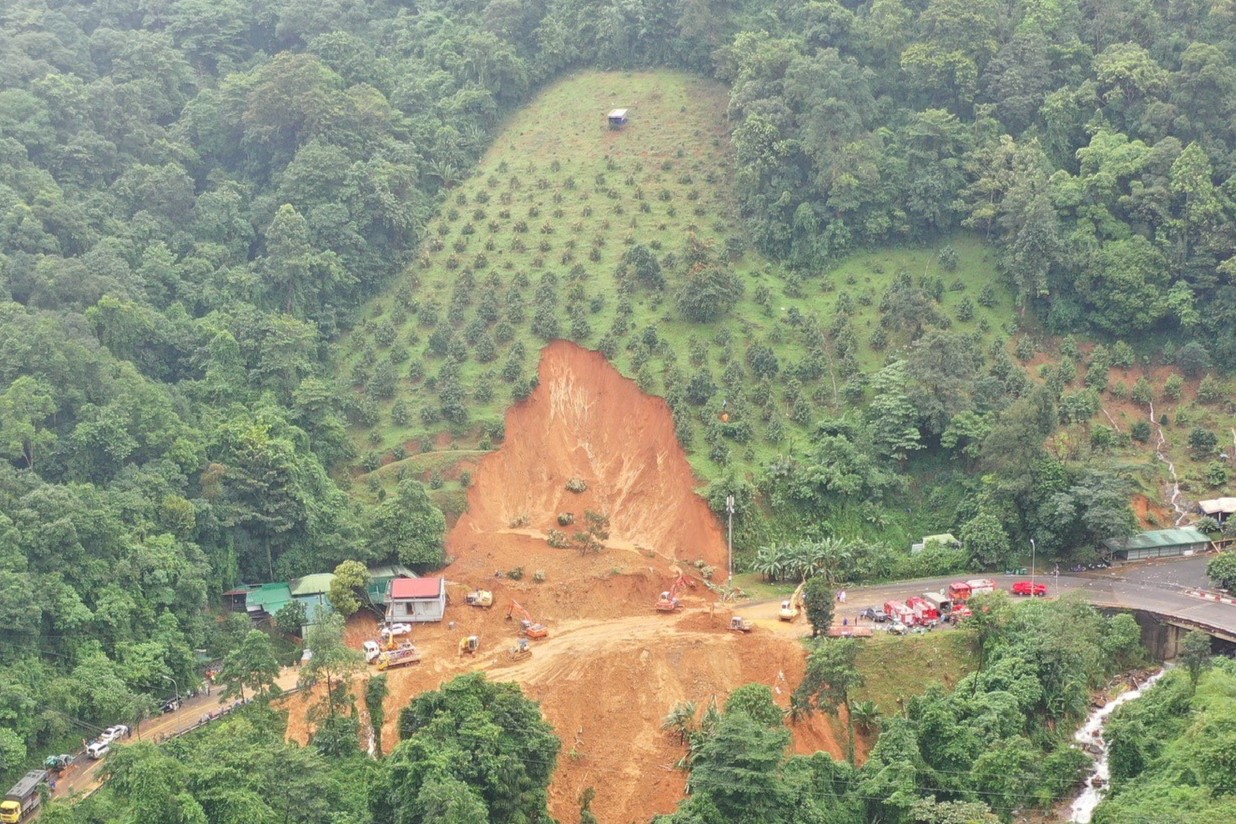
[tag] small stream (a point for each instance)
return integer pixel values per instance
(1160, 446)
(1091, 733)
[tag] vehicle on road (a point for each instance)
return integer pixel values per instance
(171, 705)
(58, 763)
(115, 733)
(21, 802)
(1034, 590)
(391, 630)
(98, 749)
(401, 656)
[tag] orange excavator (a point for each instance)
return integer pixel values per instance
(527, 626)
(668, 602)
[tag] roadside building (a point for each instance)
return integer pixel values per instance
(417, 600)
(266, 600)
(1159, 543)
(313, 591)
(1218, 508)
(380, 577)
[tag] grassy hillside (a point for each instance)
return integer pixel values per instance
(529, 247)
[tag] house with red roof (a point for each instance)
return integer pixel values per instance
(416, 599)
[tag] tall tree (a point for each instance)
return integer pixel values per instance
(253, 664)
(831, 676)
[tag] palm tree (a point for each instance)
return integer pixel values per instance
(681, 720)
(865, 715)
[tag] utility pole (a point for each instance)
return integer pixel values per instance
(1032, 551)
(729, 535)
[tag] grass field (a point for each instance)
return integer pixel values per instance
(528, 248)
(898, 668)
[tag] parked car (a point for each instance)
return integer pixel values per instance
(873, 614)
(171, 705)
(898, 628)
(1035, 590)
(98, 749)
(394, 629)
(114, 733)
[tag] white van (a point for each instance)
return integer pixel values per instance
(98, 749)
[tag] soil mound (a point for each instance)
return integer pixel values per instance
(586, 421)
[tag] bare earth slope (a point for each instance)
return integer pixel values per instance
(612, 666)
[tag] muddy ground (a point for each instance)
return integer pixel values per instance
(612, 666)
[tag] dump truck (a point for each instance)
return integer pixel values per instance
(399, 657)
(20, 802)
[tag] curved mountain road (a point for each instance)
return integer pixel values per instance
(1160, 587)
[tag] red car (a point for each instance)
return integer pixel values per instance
(1026, 588)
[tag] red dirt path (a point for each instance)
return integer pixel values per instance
(612, 667)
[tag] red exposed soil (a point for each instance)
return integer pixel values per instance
(612, 666)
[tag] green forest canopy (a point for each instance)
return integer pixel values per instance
(195, 198)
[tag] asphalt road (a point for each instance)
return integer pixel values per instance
(1156, 586)
(84, 775)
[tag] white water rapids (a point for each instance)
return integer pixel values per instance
(1091, 734)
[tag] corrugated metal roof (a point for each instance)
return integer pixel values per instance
(416, 588)
(390, 571)
(1180, 536)
(269, 597)
(1215, 506)
(312, 584)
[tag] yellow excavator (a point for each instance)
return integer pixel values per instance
(790, 608)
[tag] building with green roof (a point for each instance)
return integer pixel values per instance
(1159, 543)
(267, 599)
(380, 578)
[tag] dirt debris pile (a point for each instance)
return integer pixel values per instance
(612, 667)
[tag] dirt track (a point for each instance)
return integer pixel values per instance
(612, 666)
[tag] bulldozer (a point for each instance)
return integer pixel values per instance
(520, 651)
(668, 602)
(480, 598)
(527, 627)
(469, 645)
(792, 607)
(740, 624)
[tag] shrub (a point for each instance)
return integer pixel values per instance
(539, 576)
(1140, 431)
(558, 539)
(576, 485)
(515, 573)
(566, 518)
